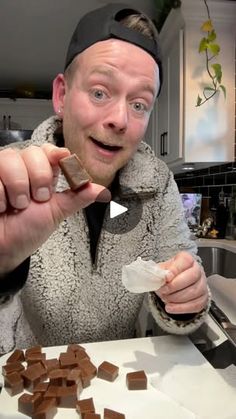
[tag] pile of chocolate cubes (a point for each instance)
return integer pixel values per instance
(48, 384)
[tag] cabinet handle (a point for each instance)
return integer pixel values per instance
(9, 121)
(161, 138)
(4, 119)
(165, 138)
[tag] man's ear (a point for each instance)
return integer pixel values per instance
(58, 95)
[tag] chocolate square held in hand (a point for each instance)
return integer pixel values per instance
(136, 380)
(74, 171)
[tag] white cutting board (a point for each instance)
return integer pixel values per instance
(181, 383)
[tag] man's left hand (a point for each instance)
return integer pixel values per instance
(185, 290)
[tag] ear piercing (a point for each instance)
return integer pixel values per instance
(59, 112)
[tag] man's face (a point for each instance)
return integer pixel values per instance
(107, 104)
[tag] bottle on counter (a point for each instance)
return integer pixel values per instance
(231, 226)
(222, 216)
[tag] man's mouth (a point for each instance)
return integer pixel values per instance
(105, 146)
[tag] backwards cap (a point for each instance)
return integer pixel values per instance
(102, 24)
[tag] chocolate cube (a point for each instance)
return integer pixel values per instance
(46, 410)
(16, 356)
(27, 403)
(74, 172)
(81, 354)
(58, 377)
(51, 364)
(12, 367)
(112, 414)
(107, 371)
(52, 392)
(68, 360)
(41, 388)
(13, 383)
(35, 357)
(85, 406)
(33, 375)
(67, 396)
(136, 380)
(74, 347)
(74, 377)
(33, 350)
(88, 367)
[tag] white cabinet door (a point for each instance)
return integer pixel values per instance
(24, 113)
(186, 133)
(170, 104)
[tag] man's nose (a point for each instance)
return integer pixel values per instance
(117, 118)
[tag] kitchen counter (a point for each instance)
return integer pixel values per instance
(221, 243)
(181, 383)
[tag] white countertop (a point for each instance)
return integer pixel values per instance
(181, 383)
(221, 243)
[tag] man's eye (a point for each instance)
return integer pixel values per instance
(139, 107)
(98, 94)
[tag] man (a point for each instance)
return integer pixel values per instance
(61, 265)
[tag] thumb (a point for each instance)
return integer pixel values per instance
(168, 265)
(64, 204)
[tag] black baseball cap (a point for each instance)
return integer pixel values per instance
(104, 23)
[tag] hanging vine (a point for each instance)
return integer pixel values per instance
(211, 49)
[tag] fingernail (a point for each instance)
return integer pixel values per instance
(22, 201)
(104, 196)
(169, 276)
(42, 194)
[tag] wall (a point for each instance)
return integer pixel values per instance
(209, 182)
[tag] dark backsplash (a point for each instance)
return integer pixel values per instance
(209, 182)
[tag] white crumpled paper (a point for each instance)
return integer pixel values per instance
(143, 276)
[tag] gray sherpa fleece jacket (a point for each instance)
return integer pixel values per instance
(67, 298)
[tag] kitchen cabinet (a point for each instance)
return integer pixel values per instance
(180, 131)
(24, 113)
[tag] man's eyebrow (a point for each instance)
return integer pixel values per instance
(149, 88)
(103, 70)
(110, 73)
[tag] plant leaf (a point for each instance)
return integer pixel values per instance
(217, 71)
(203, 45)
(199, 101)
(209, 88)
(223, 90)
(212, 36)
(214, 48)
(207, 26)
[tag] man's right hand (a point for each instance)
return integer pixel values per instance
(30, 210)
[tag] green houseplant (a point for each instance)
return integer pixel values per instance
(207, 46)
(211, 49)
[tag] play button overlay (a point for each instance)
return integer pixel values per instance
(116, 209)
(125, 212)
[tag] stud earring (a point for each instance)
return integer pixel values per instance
(59, 113)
